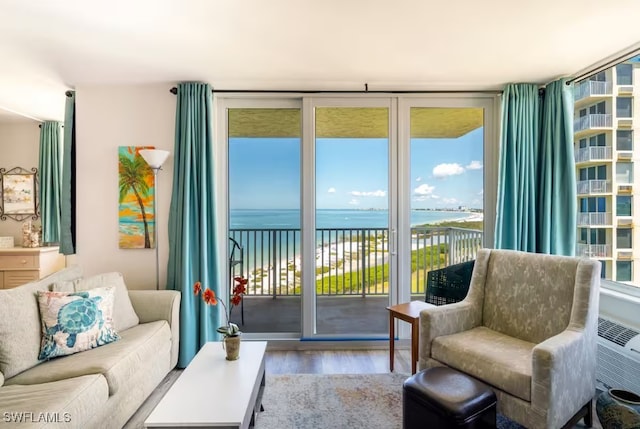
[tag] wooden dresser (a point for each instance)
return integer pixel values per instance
(20, 265)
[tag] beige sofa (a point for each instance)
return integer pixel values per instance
(98, 388)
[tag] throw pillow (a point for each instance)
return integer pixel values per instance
(75, 322)
(124, 316)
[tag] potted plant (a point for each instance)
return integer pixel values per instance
(230, 331)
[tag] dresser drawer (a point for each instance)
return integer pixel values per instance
(18, 262)
(18, 278)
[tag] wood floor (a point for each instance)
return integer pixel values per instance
(306, 362)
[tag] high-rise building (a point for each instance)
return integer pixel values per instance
(608, 198)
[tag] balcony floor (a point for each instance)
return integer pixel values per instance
(337, 315)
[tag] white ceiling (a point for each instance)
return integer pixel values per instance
(47, 47)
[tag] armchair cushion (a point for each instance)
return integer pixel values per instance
(495, 358)
(522, 294)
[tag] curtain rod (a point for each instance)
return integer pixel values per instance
(608, 64)
(174, 91)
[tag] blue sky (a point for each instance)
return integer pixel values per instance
(353, 173)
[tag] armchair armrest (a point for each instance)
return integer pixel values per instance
(564, 372)
(444, 320)
(153, 305)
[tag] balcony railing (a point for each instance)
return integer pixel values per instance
(596, 120)
(349, 261)
(594, 153)
(592, 88)
(594, 250)
(586, 187)
(590, 219)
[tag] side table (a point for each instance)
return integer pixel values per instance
(409, 312)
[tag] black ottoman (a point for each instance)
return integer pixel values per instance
(442, 397)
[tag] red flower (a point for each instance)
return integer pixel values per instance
(235, 299)
(209, 297)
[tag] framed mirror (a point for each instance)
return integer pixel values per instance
(19, 194)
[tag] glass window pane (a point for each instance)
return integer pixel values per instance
(624, 74)
(623, 205)
(623, 107)
(623, 271)
(624, 172)
(602, 172)
(623, 238)
(624, 140)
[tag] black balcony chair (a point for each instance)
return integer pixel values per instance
(449, 284)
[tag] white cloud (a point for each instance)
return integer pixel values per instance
(444, 170)
(331, 190)
(450, 201)
(377, 193)
(354, 202)
(424, 189)
(481, 192)
(419, 179)
(474, 165)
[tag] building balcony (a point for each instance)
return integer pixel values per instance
(594, 250)
(588, 187)
(351, 274)
(590, 90)
(594, 153)
(594, 219)
(596, 121)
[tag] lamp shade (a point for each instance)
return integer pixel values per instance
(154, 157)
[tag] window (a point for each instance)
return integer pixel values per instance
(623, 107)
(624, 74)
(598, 109)
(624, 139)
(593, 205)
(593, 236)
(598, 140)
(623, 205)
(623, 271)
(594, 173)
(623, 238)
(624, 172)
(603, 269)
(599, 77)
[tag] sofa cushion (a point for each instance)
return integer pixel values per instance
(124, 316)
(20, 322)
(69, 403)
(75, 322)
(117, 361)
(497, 359)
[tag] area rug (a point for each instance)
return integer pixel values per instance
(353, 401)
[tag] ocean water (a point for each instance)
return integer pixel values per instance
(281, 219)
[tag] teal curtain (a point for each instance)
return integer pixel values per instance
(68, 190)
(536, 181)
(49, 168)
(558, 203)
(192, 224)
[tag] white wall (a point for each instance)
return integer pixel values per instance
(19, 147)
(108, 117)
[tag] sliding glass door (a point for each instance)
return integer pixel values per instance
(352, 218)
(343, 206)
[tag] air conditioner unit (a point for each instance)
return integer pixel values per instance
(618, 356)
(625, 188)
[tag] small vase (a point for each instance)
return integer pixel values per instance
(232, 347)
(618, 408)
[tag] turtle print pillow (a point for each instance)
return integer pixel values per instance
(73, 322)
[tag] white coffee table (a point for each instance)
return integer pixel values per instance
(214, 392)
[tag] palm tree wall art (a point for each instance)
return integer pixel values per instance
(136, 216)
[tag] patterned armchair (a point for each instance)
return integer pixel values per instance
(528, 328)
